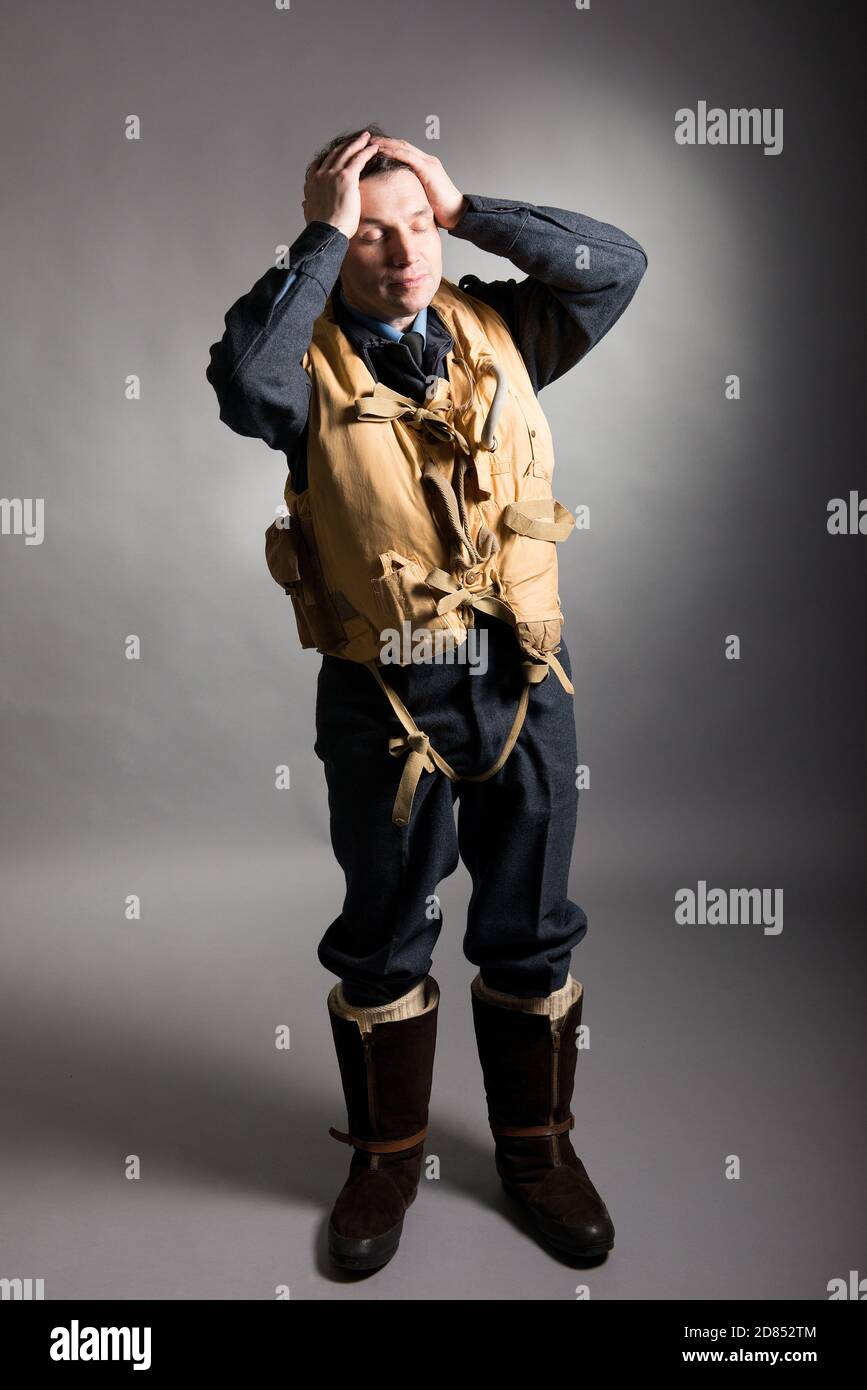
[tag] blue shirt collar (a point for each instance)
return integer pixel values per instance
(387, 330)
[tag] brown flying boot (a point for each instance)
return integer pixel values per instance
(528, 1064)
(385, 1054)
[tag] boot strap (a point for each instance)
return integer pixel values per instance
(532, 1131)
(379, 1146)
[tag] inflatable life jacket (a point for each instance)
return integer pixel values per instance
(423, 512)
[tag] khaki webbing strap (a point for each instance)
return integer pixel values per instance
(532, 1131)
(454, 595)
(561, 674)
(423, 757)
(435, 418)
(532, 518)
(379, 1146)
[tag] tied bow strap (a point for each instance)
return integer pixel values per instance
(454, 595)
(423, 757)
(420, 758)
(434, 418)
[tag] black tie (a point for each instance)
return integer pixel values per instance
(415, 343)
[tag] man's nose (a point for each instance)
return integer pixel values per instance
(403, 249)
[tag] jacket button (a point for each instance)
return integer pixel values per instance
(471, 576)
(533, 433)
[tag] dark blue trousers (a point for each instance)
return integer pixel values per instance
(514, 832)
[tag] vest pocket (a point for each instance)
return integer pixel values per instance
(401, 592)
(292, 559)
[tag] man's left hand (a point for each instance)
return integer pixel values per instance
(447, 202)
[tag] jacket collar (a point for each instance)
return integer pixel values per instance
(387, 330)
(369, 342)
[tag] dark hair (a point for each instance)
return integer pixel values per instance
(379, 164)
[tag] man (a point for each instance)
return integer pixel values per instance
(420, 488)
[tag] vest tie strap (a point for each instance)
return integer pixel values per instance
(454, 595)
(420, 758)
(532, 517)
(564, 680)
(384, 403)
(423, 757)
(435, 418)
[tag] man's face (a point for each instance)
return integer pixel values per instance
(393, 264)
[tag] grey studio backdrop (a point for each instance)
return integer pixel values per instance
(156, 1037)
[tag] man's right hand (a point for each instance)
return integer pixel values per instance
(331, 192)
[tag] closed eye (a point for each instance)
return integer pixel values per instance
(417, 227)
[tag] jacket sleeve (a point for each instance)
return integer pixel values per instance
(565, 306)
(256, 368)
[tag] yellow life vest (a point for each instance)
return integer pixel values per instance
(424, 511)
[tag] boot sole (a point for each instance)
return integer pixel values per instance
(553, 1233)
(372, 1252)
